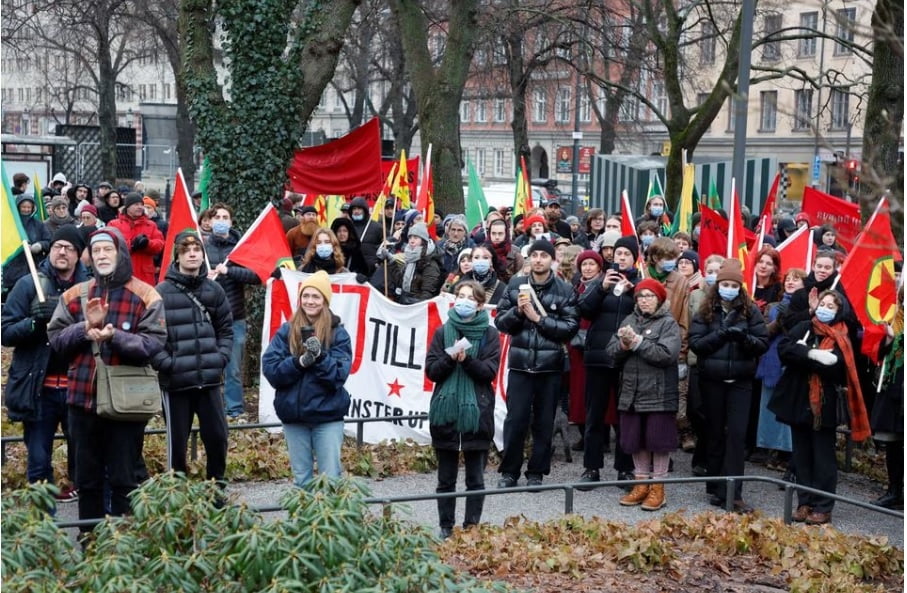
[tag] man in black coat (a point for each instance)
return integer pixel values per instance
(539, 311)
(191, 365)
(36, 389)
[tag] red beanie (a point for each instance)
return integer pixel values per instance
(527, 222)
(653, 285)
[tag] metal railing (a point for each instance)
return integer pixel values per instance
(570, 489)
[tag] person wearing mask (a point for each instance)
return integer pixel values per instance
(38, 238)
(646, 346)
(233, 279)
(455, 240)
(656, 213)
(461, 411)
(728, 335)
(110, 209)
(323, 253)
(819, 360)
(307, 362)
(368, 232)
(605, 305)
(483, 272)
(352, 248)
(647, 232)
(508, 261)
(191, 365)
(35, 391)
(124, 318)
(824, 276)
(539, 312)
(144, 239)
(414, 275)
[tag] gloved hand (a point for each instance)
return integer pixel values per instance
(306, 360)
(382, 253)
(313, 346)
(736, 334)
(139, 242)
(361, 278)
(825, 357)
(36, 248)
(682, 371)
(43, 311)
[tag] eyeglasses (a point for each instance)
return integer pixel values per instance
(648, 295)
(64, 248)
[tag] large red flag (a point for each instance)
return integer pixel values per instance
(348, 165)
(867, 277)
(823, 208)
(765, 219)
(627, 222)
(264, 246)
(712, 235)
(796, 251)
(182, 218)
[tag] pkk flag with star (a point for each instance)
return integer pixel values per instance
(867, 277)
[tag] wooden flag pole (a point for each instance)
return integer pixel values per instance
(34, 271)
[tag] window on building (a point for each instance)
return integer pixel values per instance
(771, 51)
(500, 166)
(707, 44)
(481, 115)
(562, 112)
(661, 98)
(768, 113)
(464, 111)
(480, 161)
(539, 106)
(39, 94)
(152, 91)
(166, 91)
(481, 57)
(143, 92)
(809, 22)
(731, 113)
(28, 95)
(585, 108)
(629, 110)
(803, 109)
(840, 109)
(499, 112)
(846, 18)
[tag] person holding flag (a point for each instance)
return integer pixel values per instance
(37, 236)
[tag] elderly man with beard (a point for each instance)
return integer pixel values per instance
(124, 318)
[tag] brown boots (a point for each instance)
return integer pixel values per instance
(650, 496)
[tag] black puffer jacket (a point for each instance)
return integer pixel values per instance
(606, 312)
(199, 345)
(218, 248)
(369, 233)
(482, 370)
(718, 356)
(539, 347)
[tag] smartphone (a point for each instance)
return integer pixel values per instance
(306, 332)
(615, 267)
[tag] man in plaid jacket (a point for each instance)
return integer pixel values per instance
(125, 317)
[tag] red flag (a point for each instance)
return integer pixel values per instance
(627, 222)
(348, 165)
(264, 246)
(712, 235)
(796, 251)
(765, 219)
(425, 201)
(867, 277)
(182, 218)
(412, 173)
(736, 239)
(844, 216)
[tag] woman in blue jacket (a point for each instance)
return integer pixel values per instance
(307, 362)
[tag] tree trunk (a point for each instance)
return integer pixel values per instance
(107, 109)
(885, 115)
(518, 81)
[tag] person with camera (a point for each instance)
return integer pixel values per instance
(143, 239)
(307, 363)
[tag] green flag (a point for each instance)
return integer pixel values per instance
(12, 233)
(476, 206)
(203, 183)
(714, 198)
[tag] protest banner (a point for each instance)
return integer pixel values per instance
(390, 341)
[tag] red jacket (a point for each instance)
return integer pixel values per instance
(142, 259)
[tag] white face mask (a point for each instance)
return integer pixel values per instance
(465, 308)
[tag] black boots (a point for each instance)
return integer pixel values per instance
(893, 499)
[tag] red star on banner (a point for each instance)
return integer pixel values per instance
(885, 291)
(395, 388)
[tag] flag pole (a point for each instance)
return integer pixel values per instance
(384, 240)
(26, 248)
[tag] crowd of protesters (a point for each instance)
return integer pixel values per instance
(632, 336)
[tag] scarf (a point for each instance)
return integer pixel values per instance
(410, 258)
(654, 273)
(836, 335)
(456, 400)
(501, 251)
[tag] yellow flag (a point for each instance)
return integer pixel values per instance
(11, 231)
(401, 184)
(378, 208)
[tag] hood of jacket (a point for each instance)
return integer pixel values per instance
(123, 272)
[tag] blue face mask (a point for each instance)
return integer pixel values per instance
(465, 308)
(728, 294)
(647, 240)
(324, 251)
(481, 266)
(220, 227)
(825, 315)
(668, 265)
(710, 279)
(358, 217)
(657, 210)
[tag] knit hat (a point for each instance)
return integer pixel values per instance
(58, 178)
(57, 201)
(572, 220)
(184, 239)
(420, 230)
(25, 198)
(102, 235)
(730, 270)
(528, 222)
(465, 253)
(562, 241)
(542, 245)
(69, 232)
(306, 209)
(589, 254)
(410, 216)
(628, 242)
(653, 285)
(608, 239)
(154, 195)
(692, 256)
(321, 282)
(459, 220)
(149, 202)
(105, 184)
(90, 208)
(132, 197)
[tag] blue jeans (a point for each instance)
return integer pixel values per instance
(308, 442)
(233, 396)
(39, 435)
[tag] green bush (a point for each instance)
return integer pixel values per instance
(180, 539)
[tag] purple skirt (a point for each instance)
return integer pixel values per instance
(648, 431)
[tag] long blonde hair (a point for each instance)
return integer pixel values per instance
(322, 326)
